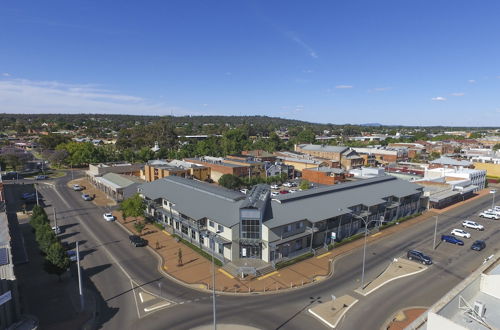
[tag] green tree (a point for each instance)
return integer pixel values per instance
(38, 210)
(306, 136)
(51, 141)
(496, 146)
(139, 226)
(45, 237)
(56, 260)
(304, 185)
(133, 206)
(230, 181)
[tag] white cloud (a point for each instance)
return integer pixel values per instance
(27, 96)
(343, 86)
(457, 94)
(6, 74)
(380, 89)
(302, 44)
(439, 98)
(471, 81)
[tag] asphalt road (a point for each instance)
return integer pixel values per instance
(116, 270)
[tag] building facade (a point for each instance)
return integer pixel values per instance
(274, 229)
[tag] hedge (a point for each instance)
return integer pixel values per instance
(282, 264)
(198, 250)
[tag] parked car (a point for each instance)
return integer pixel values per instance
(288, 184)
(57, 230)
(478, 245)
(489, 215)
(283, 192)
(292, 191)
(41, 177)
(244, 191)
(11, 176)
(419, 256)
(275, 193)
(28, 195)
(72, 255)
(497, 212)
(275, 186)
(460, 233)
(108, 217)
(86, 197)
(137, 241)
(451, 239)
(77, 187)
(472, 225)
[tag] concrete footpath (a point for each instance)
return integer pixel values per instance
(196, 271)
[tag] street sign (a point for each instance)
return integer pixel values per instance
(333, 235)
(5, 297)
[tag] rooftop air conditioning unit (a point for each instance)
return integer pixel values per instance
(479, 308)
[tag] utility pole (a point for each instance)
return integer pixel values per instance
(72, 175)
(364, 254)
(36, 192)
(55, 218)
(435, 233)
(80, 291)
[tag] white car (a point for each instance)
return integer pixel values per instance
(489, 215)
(275, 186)
(275, 193)
(472, 225)
(497, 212)
(292, 191)
(288, 184)
(108, 217)
(460, 233)
(57, 230)
(244, 191)
(77, 187)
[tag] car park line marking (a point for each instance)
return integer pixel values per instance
(323, 255)
(268, 275)
(166, 232)
(377, 234)
(226, 273)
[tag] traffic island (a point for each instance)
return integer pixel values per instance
(398, 268)
(331, 312)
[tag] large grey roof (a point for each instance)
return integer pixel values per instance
(451, 161)
(320, 147)
(197, 199)
(331, 201)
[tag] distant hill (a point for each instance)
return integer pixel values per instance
(372, 125)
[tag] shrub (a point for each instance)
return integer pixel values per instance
(290, 262)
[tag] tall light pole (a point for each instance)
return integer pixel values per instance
(366, 222)
(493, 191)
(36, 192)
(213, 281)
(80, 291)
(435, 233)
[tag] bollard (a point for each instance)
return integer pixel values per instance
(302, 282)
(249, 289)
(276, 287)
(290, 285)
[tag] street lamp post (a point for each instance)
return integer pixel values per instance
(214, 309)
(493, 191)
(435, 233)
(366, 222)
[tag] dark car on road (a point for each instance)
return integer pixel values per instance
(419, 256)
(478, 245)
(137, 241)
(41, 177)
(451, 239)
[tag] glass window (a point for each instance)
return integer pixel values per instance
(298, 225)
(193, 234)
(211, 223)
(220, 228)
(184, 229)
(202, 240)
(221, 249)
(250, 229)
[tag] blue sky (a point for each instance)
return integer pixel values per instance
(427, 62)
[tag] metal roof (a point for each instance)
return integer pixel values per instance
(319, 147)
(451, 161)
(197, 199)
(117, 181)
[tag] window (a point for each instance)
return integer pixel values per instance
(221, 249)
(286, 229)
(298, 225)
(193, 234)
(184, 230)
(211, 223)
(220, 228)
(202, 240)
(177, 225)
(250, 229)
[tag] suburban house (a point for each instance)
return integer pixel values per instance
(261, 230)
(157, 169)
(347, 157)
(384, 155)
(237, 167)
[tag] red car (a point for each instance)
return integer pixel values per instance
(283, 191)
